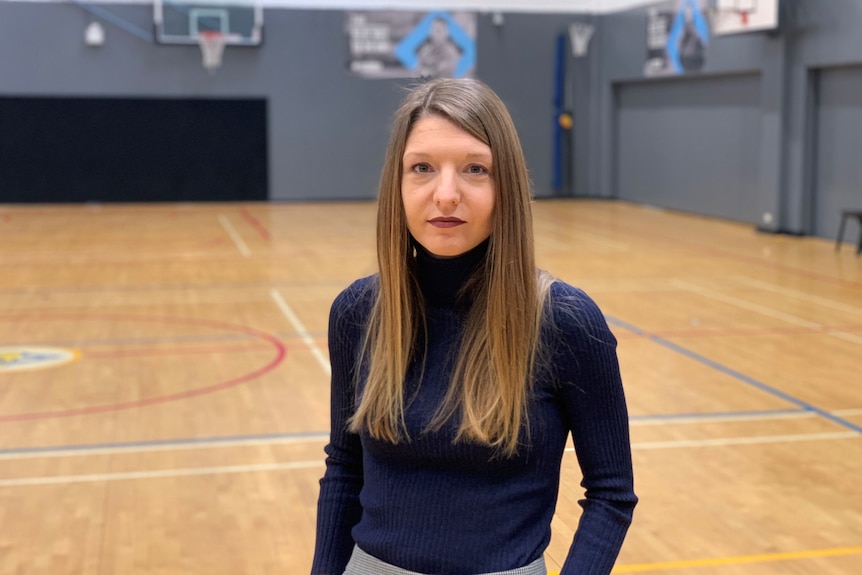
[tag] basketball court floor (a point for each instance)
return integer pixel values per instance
(164, 385)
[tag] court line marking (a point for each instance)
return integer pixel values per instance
(256, 224)
(775, 392)
(174, 287)
(767, 311)
(234, 235)
(161, 473)
(280, 349)
(131, 341)
(757, 308)
(738, 560)
(688, 418)
(826, 302)
(724, 441)
(699, 248)
(319, 437)
(300, 329)
(161, 445)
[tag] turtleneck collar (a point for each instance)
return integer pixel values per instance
(441, 279)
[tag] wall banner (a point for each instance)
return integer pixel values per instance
(396, 44)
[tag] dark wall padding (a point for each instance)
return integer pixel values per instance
(132, 149)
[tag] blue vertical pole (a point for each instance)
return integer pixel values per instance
(559, 104)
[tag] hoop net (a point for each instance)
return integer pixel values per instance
(724, 11)
(212, 45)
(580, 34)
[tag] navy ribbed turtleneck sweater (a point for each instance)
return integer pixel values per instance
(431, 506)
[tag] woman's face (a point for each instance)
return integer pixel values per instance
(447, 187)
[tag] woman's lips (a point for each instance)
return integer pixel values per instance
(446, 222)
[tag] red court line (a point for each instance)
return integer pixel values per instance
(182, 351)
(255, 223)
(212, 257)
(116, 353)
(281, 352)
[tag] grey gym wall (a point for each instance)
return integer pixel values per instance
(692, 143)
(806, 153)
(837, 162)
(327, 130)
(825, 105)
(517, 60)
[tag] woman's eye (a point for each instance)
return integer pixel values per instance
(477, 169)
(421, 168)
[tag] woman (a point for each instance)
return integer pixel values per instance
(459, 370)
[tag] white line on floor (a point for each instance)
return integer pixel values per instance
(707, 418)
(64, 479)
(722, 441)
(826, 302)
(768, 312)
(234, 235)
(216, 443)
(300, 329)
(167, 446)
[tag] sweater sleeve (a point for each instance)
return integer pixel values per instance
(338, 507)
(595, 405)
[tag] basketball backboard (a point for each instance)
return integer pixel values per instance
(739, 16)
(181, 22)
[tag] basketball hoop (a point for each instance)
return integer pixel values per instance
(580, 34)
(732, 16)
(212, 43)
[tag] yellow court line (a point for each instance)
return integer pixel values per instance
(764, 558)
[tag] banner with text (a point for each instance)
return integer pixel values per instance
(395, 44)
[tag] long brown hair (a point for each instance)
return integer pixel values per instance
(491, 382)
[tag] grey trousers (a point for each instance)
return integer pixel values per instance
(361, 563)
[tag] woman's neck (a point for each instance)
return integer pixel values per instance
(443, 279)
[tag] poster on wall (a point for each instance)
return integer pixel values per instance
(397, 44)
(677, 36)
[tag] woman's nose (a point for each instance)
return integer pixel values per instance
(446, 190)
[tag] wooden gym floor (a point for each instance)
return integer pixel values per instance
(175, 424)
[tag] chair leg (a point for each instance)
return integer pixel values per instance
(840, 232)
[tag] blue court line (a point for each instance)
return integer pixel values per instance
(166, 443)
(736, 375)
(805, 407)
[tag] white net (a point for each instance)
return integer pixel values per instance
(580, 34)
(728, 16)
(212, 47)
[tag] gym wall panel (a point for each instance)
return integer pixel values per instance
(326, 130)
(690, 144)
(838, 176)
